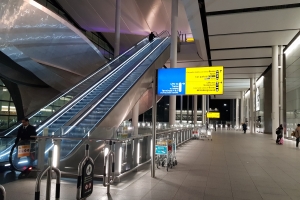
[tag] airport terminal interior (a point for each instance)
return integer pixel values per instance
(156, 99)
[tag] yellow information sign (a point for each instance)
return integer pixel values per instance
(204, 80)
(215, 115)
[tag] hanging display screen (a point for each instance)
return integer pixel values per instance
(190, 81)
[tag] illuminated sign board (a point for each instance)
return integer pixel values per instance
(213, 115)
(190, 81)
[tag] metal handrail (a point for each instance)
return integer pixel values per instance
(107, 140)
(3, 193)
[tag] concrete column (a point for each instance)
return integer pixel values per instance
(275, 93)
(117, 28)
(242, 120)
(195, 108)
(251, 106)
(135, 117)
(254, 105)
(247, 109)
(173, 57)
(237, 116)
(203, 110)
(281, 84)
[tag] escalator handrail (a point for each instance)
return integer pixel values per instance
(92, 107)
(7, 132)
(120, 81)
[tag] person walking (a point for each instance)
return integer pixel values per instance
(279, 132)
(244, 127)
(297, 134)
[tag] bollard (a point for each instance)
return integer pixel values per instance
(110, 176)
(3, 193)
(48, 170)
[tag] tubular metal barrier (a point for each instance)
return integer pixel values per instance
(109, 160)
(3, 193)
(48, 170)
(85, 176)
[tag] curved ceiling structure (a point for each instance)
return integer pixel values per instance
(237, 34)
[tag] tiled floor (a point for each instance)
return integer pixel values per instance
(232, 166)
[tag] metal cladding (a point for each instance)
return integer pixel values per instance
(45, 44)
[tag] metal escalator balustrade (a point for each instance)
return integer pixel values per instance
(74, 94)
(98, 111)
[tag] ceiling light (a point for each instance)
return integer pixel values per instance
(293, 46)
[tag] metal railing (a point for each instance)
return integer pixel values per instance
(48, 170)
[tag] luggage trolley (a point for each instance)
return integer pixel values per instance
(206, 134)
(195, 133)
(165, 150)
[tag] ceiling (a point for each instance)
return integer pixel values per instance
(240, 33)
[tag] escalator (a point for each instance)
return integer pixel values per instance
(91, 107)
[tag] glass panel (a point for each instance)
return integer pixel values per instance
(4, 108)
(4, 94)
(3, 122)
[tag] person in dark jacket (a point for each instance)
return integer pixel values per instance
(244, 127)
(25, 131)
(151, 37)
(279, 132)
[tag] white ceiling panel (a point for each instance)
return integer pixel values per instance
(246, 70)
(242, 75)
(285, 19)
(242, 53)
(244, 62)
(252, 40)
(218, 5)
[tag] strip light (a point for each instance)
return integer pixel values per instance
(293, 46)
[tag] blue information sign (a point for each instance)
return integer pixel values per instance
(171, 83)
(161, 150)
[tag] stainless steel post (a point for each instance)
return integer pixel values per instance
(153, 127)
(41, 154)
(49, 176)
(3, 193)
(181, 99)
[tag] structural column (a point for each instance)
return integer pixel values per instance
(237, 109)
(251, 106)
(203, 110)
(242, 120)
(281, 84)
(195, 109)
(275, 94)
(135, 118)
(207, 107)
(173, 57)
(117, 28)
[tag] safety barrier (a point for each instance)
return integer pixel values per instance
(48, 170)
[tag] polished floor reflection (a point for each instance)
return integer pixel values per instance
(231, 166)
